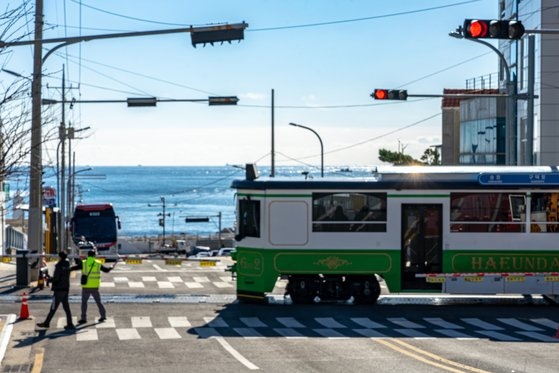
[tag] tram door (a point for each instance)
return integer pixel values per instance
(421, 244)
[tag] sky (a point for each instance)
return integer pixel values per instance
(322, 59)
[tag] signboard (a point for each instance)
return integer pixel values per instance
(518, 179)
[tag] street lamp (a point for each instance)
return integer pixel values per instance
(321, 146)
(510, 148)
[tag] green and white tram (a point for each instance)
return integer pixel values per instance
(456, 230)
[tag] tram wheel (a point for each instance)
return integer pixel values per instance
(302, 290)
(366, 290)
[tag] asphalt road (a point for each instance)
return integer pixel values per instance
(182, 328)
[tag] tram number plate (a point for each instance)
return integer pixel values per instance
(551, 278)
(515, 279)
(473, 279)
(435, 280)
(6, 259)
(134, 261)
(176, 262)
(207, 263)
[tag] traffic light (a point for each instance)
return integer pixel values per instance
(493, 29)
(390, 94)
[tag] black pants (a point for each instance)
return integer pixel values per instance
(60, 296)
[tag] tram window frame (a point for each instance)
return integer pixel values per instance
(543, 212)
(249, 218)
(479, 216)
(370, 219)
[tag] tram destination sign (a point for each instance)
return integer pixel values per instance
(534, 178)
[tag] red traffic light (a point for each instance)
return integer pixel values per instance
(492, 29)
(478, 29)
(390, 94)
(380, 94)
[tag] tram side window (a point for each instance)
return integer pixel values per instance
(345, 212)
(487, 212)
(249, 218)
(543, 212)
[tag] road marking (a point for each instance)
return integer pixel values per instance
(249, 333)
(289, 333)
(179, 322)
(253, 322)
(442, 323)
(107, 324)
(329, 322)
(167, 333)
(149, 279)
(430, 358)
(216, 322)
(165, 285)
(240, 358)
(405, 323)
(87, 335)
(330, 333)
(482, 324)
(194, 285)
(520, 325)
(290, 322)
(498, 336)
(367, 323)
(38, 361)
(127, 334)
(134, 284)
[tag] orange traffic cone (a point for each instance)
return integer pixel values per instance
(24, 312)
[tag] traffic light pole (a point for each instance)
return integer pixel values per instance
(199, 35)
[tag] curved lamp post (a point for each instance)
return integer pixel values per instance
(321, 146)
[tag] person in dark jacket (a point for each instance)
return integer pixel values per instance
(61, 287)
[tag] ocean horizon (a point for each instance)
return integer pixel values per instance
(137, 194)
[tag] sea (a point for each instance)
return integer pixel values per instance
(142, 195)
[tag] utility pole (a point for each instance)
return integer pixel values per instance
(35, 223)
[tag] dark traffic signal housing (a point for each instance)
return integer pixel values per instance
(390, 94)
(493, 29)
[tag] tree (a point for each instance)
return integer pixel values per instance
(15, 103)
(397, 158)
(431, 156)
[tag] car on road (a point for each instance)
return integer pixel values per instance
(226, 251)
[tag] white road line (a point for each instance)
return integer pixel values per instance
(87, 335)
(405, 323)
(481, 324)
(240, 358)
(540, 337)
(136, 284)
(193, 285)
(496, 335)
(179, 322)
(546, 322)
(216, 322)
(414, 333)
(127, 334)
(442, 323)
(289, 333)
(329, 322)
(290, 322)
(159, 268)
(367, 323)
(109, 323)
(167, 333)
(519, 324)
(370, 333)
(165, 285)
(253, 322)
(249, 333)
(455, 334)
(330, 333)
(149, 279)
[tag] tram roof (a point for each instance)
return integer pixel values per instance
(417, 177)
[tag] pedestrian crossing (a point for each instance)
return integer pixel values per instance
(165, 282)
(179, 327)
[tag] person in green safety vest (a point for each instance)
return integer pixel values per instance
(92, 268)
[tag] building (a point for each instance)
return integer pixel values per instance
(475, 130)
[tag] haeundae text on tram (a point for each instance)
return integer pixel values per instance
(456, 230)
